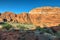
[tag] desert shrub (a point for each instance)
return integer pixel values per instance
(6, 26)
(21, 27)
(48, 30)
(57, 34)
(25, 26)
(38, 28)
(44, 30)
(58, 24)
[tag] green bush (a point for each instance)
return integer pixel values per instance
(6, 26)
(39, 28)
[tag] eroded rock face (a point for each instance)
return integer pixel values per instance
(23, 18)
(11, 17)
(43, 16)
(8, 16)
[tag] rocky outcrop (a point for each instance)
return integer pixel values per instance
(43, 16)
(8, 16)
(11, 17)
(23, 18)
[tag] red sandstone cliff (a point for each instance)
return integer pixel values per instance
(49, 16)
(43, 16)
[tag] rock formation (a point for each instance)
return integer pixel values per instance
(43, 16)
(23, 18)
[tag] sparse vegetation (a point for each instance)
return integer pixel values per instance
(6, 26)
(58, 24)
(25, 27)
(57, 34)
(21, 27)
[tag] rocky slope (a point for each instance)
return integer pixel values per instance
(43, 16)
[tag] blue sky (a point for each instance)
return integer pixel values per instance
(18, 6)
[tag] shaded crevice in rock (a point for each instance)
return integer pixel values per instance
(5, 20)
